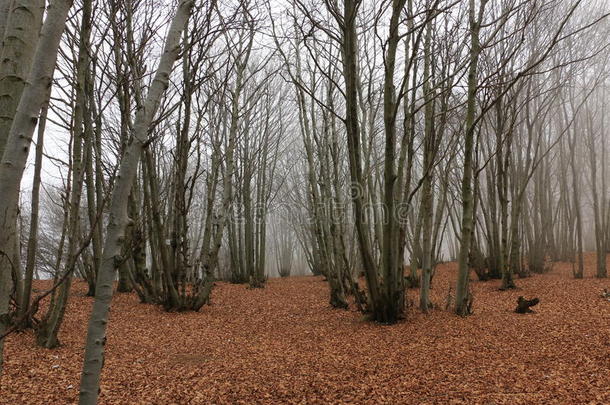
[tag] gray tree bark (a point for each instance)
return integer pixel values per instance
(20, 35)
(118, 219)
(462, 298)
(19, 140)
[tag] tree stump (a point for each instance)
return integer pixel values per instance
(523, 305)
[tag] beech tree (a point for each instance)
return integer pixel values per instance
(118, 221)
(18, 143)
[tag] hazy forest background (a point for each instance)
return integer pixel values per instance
(326, 201)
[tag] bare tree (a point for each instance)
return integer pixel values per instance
(118, 219)
(18, 143)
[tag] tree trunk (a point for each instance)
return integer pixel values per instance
(20, 36)
(24, 305)
(19, 140)
(48, 330)
(463, 299)
(118, 220)
(427, 197)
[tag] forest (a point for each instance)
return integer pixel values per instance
(304, 201)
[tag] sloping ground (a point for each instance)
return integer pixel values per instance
(284, 344)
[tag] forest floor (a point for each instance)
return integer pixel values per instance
(284, 344)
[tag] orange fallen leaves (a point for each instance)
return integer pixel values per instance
(284, 344)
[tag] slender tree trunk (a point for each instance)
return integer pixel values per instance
(462, 304)
(94, 180)
(350, 72)
(427, 197)
(24, 305)
(598, 211)
(118, 220)
(578, 259)
(48, 331)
